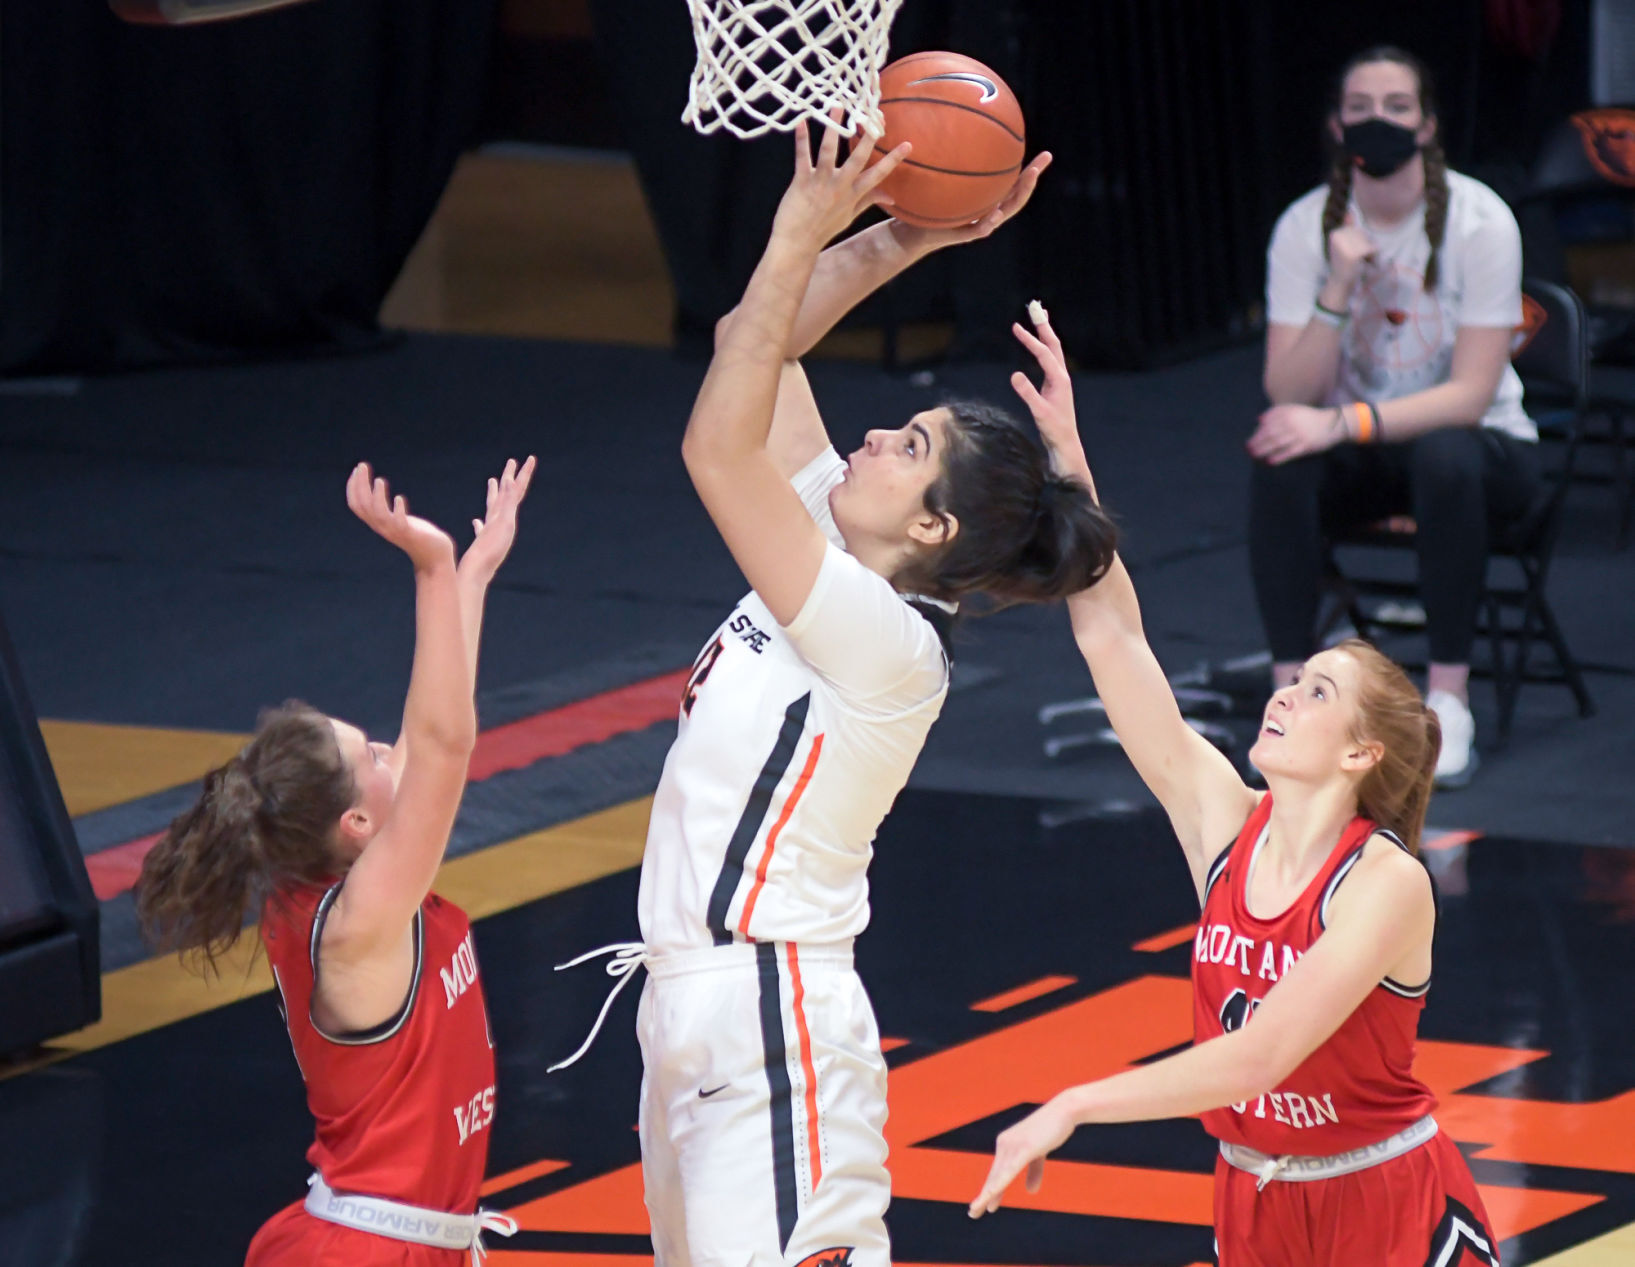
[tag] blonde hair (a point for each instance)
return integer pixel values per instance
(1396, 790)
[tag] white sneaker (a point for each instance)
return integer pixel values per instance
(1458, 760)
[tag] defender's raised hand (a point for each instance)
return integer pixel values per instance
(1051, 403)
(427, 545)
(498, 527)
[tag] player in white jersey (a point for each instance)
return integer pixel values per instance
(763, 1100)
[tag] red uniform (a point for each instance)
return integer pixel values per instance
(1355, 1091)
(402, 1110)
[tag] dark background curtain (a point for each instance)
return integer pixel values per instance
(243, 188)
(252, 188)
(1181, 128)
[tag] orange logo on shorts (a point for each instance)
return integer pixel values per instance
(1609, 142)
(839, 1256)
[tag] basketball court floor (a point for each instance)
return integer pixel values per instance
(174, 554)
(1008, 958)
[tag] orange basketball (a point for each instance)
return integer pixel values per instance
(967, 132)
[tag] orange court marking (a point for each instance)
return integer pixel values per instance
(1027, 1062)
(1163, 941)
(513, 1178)
(1022, 993)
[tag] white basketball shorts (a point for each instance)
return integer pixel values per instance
(763, 1109)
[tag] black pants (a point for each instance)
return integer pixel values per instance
(1459, 484)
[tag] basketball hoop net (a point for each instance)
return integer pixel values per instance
(765, 64)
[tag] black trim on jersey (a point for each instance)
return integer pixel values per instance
(1386, 983)
(1216, 869)
(1340, 873)
(941, 621)
(1460, 1228)
(749, 822)
(783, 1100)
(390, 1026)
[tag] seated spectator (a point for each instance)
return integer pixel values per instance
(1391, 295)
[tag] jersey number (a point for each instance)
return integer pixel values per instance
(1238, 1008)
(701, 671)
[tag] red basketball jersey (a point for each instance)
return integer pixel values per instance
(402, 1110)
(1358, 1087)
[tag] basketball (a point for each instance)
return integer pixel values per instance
(968, 136)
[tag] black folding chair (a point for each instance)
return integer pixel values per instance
(1575, 171)
(1515, 615)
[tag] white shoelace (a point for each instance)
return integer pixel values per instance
(627, 957)
(489, 1221)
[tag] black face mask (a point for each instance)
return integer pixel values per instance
(1378, 147)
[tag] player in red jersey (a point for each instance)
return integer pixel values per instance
(1313, 952)
(335, 840)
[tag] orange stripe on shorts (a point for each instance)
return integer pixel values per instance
(807, 1069)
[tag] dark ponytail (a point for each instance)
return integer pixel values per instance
(264, 820)
(1436, 163)
(1025, 534)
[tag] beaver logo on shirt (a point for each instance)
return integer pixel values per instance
(1609, 142)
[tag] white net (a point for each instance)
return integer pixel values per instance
(765, 64)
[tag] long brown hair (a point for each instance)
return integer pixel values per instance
(1436, 162)
(1396, 790)
(265, 820)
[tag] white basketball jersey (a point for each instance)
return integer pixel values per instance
(793, 744)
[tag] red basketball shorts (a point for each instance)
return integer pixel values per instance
(1417, 1210)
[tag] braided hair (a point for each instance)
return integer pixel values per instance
(1436, 163)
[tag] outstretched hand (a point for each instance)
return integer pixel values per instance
(826, 195)
(498, 528)
(424, 542)
(1051, 404)
(928, 240)
(1024, 1145)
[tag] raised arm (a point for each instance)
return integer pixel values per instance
(1200, 791)
(1381, 918)
(393, 874)
(847, 273)
(495, 532)
(494, 535)
(726, 448)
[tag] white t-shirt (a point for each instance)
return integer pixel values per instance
(1400, 339)
(793, 744)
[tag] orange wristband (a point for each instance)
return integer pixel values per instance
(1365, 422)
